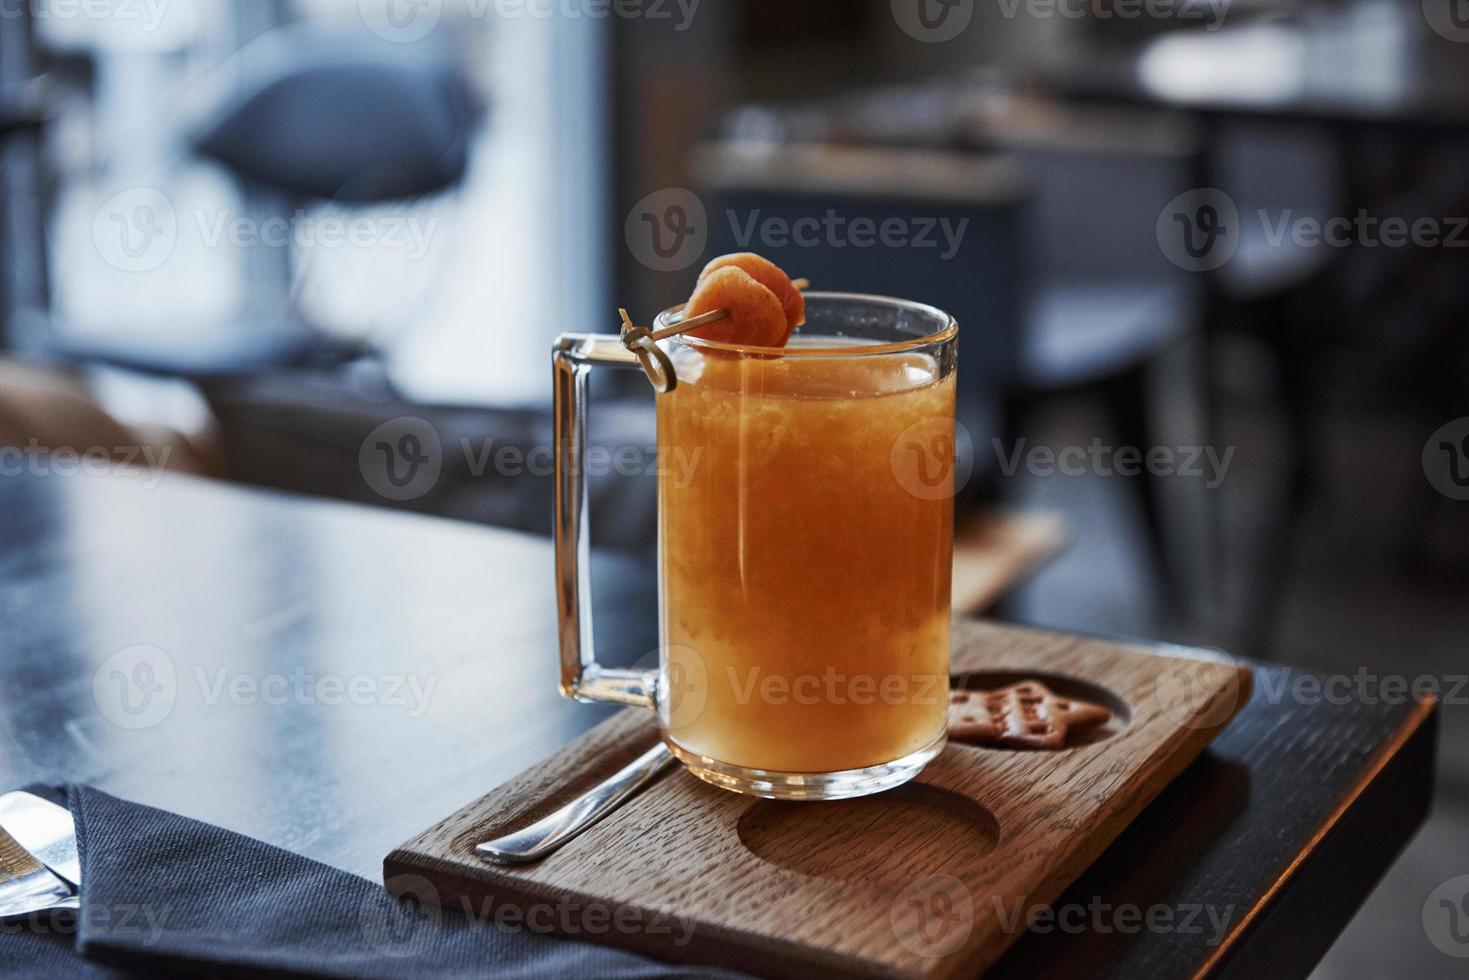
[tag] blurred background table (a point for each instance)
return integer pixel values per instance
(1280, 829)
(1395, 65)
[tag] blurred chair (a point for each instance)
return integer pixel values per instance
(1280, 294)
(1274, 289)
(1102, 303)
(315, 117)
(365, 124)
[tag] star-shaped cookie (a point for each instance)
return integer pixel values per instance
(1026, 715)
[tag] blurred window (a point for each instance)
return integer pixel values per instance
(466, 293)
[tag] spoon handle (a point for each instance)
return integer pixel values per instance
(550, 832)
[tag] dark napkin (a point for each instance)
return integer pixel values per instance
(163, 894)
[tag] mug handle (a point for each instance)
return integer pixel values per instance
(582, 678)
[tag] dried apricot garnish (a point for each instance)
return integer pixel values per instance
(755, 319)
(767, 274)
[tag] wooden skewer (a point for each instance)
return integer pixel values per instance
(692, 323)
(656, 363)
(704, 319)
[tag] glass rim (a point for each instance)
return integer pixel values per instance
(946, 333)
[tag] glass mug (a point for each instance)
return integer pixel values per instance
(804, 548)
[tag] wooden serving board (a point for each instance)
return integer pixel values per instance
(935, 878)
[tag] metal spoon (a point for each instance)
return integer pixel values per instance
(26, 886)
(44, 829)
(550, 832)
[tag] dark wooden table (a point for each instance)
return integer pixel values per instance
(275, 695)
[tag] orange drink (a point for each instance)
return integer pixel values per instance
(800, 568)
(805, 498)
(806, 551)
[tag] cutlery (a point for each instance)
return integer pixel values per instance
(26, 886)
(550, 832)
(45, 830)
